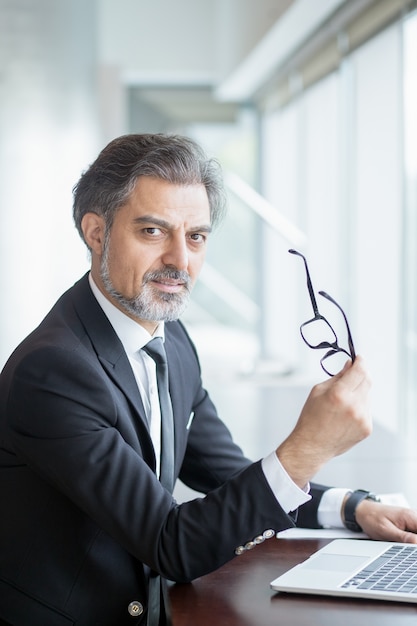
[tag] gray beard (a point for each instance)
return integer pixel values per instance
(151, 305)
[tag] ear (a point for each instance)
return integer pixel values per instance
(93, 227)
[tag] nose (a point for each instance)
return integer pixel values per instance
(176, 253)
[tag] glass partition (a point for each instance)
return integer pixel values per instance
(410, 221)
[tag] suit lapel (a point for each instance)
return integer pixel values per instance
(114, 361)
(108, 346)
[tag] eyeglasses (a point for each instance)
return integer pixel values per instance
(319, 334)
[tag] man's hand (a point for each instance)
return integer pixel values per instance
(387, 523)
(335, 417)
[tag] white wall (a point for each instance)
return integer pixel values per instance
(48, 135)
(159, 41)
(186, 41)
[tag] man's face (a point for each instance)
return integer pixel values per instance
(153, 253)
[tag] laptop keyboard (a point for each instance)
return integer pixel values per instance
(393, 571)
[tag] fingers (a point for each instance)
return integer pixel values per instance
(407, 537)
(354, 375)
(387, 523)
(391, 532)
(335, 417)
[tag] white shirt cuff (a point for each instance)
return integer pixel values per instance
(288, 494)
(329, 514)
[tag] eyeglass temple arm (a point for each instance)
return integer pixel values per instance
(349, 334)
(309, 283)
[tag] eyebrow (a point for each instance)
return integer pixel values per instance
(151, 219)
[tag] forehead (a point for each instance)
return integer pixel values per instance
(171, 201)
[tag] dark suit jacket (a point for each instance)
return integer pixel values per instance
(82, 510)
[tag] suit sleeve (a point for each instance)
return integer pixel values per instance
(212, 457)
(75, 431)
(307, 514)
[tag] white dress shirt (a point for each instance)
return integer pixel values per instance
(133, 337)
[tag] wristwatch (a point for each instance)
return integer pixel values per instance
(350, 508)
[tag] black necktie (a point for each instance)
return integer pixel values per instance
(155, 349)
(158, 593)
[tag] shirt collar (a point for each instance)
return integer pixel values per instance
(132, 335)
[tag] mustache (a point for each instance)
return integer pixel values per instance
(168, 273)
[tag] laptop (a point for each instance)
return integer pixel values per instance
(356, 568)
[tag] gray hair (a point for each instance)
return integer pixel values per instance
(107, 184)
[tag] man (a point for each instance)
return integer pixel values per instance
(86, 526)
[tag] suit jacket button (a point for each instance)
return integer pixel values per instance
(135, 608)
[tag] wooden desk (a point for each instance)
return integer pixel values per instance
(238, 594)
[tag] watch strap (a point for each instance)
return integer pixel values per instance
(349, 511)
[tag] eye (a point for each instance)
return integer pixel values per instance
(152, 231)
(198, 237)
